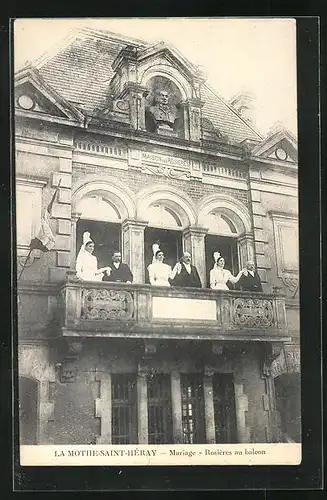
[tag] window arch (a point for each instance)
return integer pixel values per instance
(219, 223)
(97, 207)
(162, 216)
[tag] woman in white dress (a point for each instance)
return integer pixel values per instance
(86, 263)
(219, 276)
(160, 273)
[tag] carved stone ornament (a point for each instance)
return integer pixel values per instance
(150, 349)
(292, 358)
(253, 312)
(107, 305)
(171, 173)
(272, 353)
(287, 362)
(291, 282)
(68, 371)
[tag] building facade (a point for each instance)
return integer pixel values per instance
(138, 149)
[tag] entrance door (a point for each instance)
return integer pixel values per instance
(224, 408)
(227, 248)
(106, 237)
(28, 403)
(170, 243)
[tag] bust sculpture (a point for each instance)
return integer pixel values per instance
(163, 113)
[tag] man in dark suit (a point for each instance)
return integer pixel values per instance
(250, 281)
(118, 271)
(186, 274)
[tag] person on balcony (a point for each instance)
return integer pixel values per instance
(160, 274)
(186, 274)
(86, 263)
(250, 280)
(118, 272)
(220, 276)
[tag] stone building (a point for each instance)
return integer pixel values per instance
(138, 149)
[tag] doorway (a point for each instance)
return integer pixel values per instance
(106, 237)
(228, 249)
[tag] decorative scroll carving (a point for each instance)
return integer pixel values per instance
(107, 304)
(291, 282)
(292, 358)
(287, 362)
(278, 366)
(67, 370)
(166, 172)
(253, 312)
(271, 353)
(122, 105)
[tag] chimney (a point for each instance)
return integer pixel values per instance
(275, 128)
(243, 103)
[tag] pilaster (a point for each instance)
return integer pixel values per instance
(209, 407)
(193, 107)
(142, 406)
(133, 248)
(135, 94)
(194, 242)
(73, 249)
(176, 395)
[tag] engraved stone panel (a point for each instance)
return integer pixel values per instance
(252, 312)
(107, 305)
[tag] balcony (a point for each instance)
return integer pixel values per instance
(91, 309)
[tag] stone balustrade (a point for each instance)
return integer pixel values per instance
(92, 309)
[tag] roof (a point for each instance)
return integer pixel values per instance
(81, 70)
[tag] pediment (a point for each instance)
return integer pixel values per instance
(281, 146)
(164, 54)
(33, 95)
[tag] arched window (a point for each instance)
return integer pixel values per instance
(162, 216)
(96, 207)
(218, 223)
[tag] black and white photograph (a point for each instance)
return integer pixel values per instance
(156, 192)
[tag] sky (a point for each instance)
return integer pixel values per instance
(258, 55)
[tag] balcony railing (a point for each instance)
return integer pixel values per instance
(129, 310)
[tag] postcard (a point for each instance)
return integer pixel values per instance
(156, 177)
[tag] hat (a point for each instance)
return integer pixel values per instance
(216, 256)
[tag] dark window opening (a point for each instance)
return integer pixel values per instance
(28, 415)
(228, 249)
(124, 409)
(159, 410)
(170, 243)
(224, 408)
(192, 409)
(106, 237)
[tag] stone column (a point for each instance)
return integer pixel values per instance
(246, 249)
(142, 407)
(241, 405)
(209, 407)
(176, 397)
(194, 106)
(193, 239)
(73, 234)
(133, 248)
(135, 94)
(103, 407)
